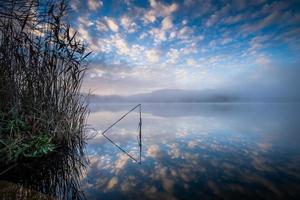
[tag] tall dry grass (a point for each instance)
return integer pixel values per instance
(42, 65)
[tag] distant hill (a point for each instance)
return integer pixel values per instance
(194, 96)
(170, 95)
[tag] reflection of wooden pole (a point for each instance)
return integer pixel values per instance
(140, 134)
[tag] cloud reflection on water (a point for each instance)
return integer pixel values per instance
(199, 156)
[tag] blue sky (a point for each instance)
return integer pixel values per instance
(142, 46)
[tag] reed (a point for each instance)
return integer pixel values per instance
(42, 65)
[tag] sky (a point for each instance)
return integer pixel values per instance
(142, 46)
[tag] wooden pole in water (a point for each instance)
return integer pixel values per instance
(140, 133)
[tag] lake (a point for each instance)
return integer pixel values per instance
(195, 151)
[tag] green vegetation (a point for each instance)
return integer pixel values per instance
(42, 65)
(22, 143)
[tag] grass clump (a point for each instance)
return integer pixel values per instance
(17, 140)
(42, 65)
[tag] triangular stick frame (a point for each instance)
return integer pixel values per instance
(140, 134)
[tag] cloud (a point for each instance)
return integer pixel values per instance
(75, 4)
(212, 20)
(173, 56)
(112, 24)
(257, 43)
(158, 9)
(184, 22)
(265, 22)
(217, 16)
(234, 19)
(153, 151)
(125, 21)
(94, 4)
(150, 16)
(153, 46)
(121, 162)
(172, 35)
(174, 151)
(184, 33)
(263, 60)
(143, 35)
(168, 184)
(95, 72)
(190, 62)
(121, 45)
(152, 55)
(84, 34)
(158, 35)
(112, 183)
(166, 23)
(192, 144)
(101, 26)
(84, 21)
(128, 24)
(226, 40)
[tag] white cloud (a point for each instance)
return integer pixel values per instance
(121, 162)
(75, 4)
(212, 20)
(136, 51)
(112, 183)
(121, 45)
(190, 62)
(172, 35)
(158, 10)
(172, 56)
(166, 23)
(181, 74)
(268, 20)
(94, 4)
(257, 43)
(143, 35)
(84, 34)
(234, 19)
(184, 33)
(152, 55)
(192, 144)
(101, 26)
(158, 35)
(153, 151)
(226, 40)
(112, 24)
(125, 21)
(84, 21)
(128, 24)
(263, 60)
(150, 16)
(189, 49)
(218, 16)
(95, 72)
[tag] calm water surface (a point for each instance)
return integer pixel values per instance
(196, 151)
